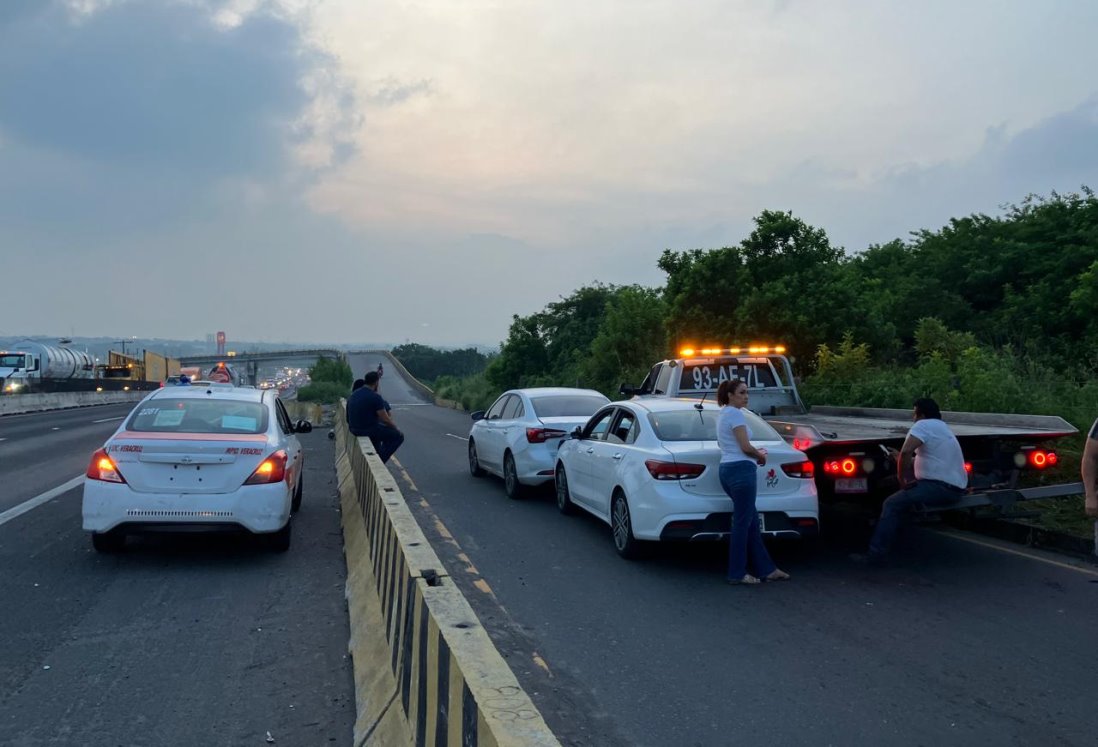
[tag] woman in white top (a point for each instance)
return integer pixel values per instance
(739, 465)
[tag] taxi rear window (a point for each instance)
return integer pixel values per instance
(694, 425)
(199, 416)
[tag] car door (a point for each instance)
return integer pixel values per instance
(608, 456)
(510, 426)
(490, 438)
(296, 460)
(580, 478)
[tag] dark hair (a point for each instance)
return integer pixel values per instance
(370, 378)
(927, 408)
(727, 389)
(359, 383)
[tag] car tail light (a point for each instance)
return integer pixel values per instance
(541, 435)
(845, 467)
(1041, 459)
(673, 470)
(968, 467)
(806, 469)
(270, 470)
(102, 467)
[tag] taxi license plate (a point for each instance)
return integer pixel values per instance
(852, 485)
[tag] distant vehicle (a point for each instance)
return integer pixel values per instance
(217, 458)
(30, 366)
(517, 437)
(649, 469)
(224, 373)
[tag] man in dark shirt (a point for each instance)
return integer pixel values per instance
(368, 416)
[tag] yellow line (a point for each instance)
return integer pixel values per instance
(1020, 553)
(481, 584)
(541, 663)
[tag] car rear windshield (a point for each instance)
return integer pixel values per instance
(563, 405)
(692, 425)
(199, 416)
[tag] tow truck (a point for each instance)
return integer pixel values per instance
(851, 448)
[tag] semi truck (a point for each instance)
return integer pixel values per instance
(30, 366)
(851, 448)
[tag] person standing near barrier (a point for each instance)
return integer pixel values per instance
(940, 476)
(738, 475)
(1090, 478)
(368, 416)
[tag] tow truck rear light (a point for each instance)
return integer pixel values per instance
(806, 469)
(103, 468)
(541, 435)
(968, 467)
(661, 470)
(270, 470)
(1041, 459)
(844, 467)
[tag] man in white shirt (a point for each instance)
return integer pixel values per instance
(940, 477)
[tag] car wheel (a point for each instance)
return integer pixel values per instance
(474, 462)
(280, 541)
(295, 504)
(511, 484)
(621, 525)
(108, 542)
(564, 498)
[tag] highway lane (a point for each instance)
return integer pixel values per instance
(960, 643)
(198, 640)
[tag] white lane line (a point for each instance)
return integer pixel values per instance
(459, 438)
(38, 500)
(1020, 553)
(55, 428)
(412, 404)
(109, 420)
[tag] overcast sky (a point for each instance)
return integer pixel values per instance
(358, 170)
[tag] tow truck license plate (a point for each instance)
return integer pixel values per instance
(852, 485)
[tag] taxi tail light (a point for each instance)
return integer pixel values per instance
(541, 435)
(270, 470)
(805, 470)
(103, 468)
(661, 470)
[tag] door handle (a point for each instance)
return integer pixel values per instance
(617, 456)
(591, 450)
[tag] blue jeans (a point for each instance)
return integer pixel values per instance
(745, 545)
(923, 493)
(386, 439)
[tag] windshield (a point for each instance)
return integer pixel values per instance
(694, 425)
(555, 406)
(11, 361)
(200, 416)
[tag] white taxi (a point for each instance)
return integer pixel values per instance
(213, 457)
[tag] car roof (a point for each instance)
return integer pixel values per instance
(210, 391)
(668, 404)
(553, 391)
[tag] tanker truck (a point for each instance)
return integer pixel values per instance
(30, 366)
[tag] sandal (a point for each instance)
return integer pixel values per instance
(748, 579)
(777, 575)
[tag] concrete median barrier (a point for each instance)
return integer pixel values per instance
(15, 404)
(426, 672)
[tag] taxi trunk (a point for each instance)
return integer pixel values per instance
(771, 479)
(201, 465)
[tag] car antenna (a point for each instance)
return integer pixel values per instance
(699, 405)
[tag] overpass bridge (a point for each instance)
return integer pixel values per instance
(249, 362)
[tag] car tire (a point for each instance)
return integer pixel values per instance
(474, 461)
(280, 541)
(109, 542)
(621, 528)
(511, 484)
(295, 503)
(564, 496)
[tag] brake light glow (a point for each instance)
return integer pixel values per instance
(802, 443)
(661, 470)
(270, 470)
(845, 466)
(968, 467)
(805, 470)
(1040, 458)
(103, 468)
(541, 435)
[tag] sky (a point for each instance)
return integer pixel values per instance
(361, 171)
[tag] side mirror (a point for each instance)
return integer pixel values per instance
(577, 432)
(478, 415)
(627, 390)
(303, 426)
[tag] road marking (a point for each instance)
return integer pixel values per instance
(454, 435)
(3, 439)
(1020, 553)
(109, 420)
(55, 428)
(541, 663)
(412, 404)
(38, 500)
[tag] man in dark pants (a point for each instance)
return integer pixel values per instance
(940, 476)
(368, 415)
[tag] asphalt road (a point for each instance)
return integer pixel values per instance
(965, 641)
(180, 640)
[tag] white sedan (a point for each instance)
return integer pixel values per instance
(649, 468)
(197, 457)
(517, 437)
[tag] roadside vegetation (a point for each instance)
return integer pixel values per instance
(987, 314)
(328, 381)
